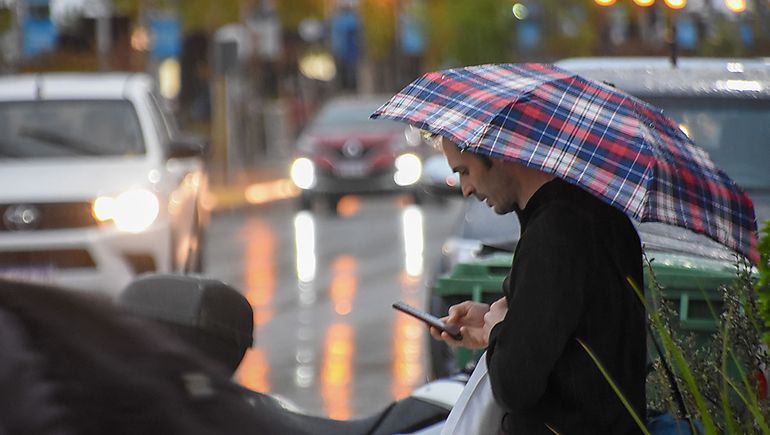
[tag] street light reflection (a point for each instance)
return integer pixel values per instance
(342, 289)
(414, 240)
(304, 240)
(337, 370)
(348, 205)
(304, 374)
(259, 273)
(254, 370)
(407, 348)
(262, 193)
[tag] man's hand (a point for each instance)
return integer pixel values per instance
(495, 315)
(470, 317)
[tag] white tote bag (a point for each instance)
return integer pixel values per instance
(475, 412)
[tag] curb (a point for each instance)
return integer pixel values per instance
(258, 186)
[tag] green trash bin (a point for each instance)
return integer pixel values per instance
(690, 284)
(479, 280)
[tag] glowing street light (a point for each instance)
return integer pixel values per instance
(736, 6)
(644, 3)
(605, 2)
(520, 11)
(675, 4)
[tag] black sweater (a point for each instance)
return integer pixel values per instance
(563, 285)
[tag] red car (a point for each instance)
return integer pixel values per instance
(342, 151)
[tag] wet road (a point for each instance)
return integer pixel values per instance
(321, 286)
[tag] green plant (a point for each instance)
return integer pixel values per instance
(714, 384)
(716, 379)
(763, 271)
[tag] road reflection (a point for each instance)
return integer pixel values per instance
(304, 354)
(408, 333)
(254, 371)
(259, 282)
(304, 241)
(324, 342)
(259, 269)
(337, 370)
(414, 240)
(342, 289)
(339, 344)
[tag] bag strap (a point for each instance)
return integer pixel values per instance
(669, 373)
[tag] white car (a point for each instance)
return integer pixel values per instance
(98, 185)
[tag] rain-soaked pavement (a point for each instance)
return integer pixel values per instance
(321, 287)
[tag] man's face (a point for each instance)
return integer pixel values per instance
(495, 184)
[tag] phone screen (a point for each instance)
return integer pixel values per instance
(452, 330)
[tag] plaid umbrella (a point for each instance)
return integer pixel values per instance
(618, 147)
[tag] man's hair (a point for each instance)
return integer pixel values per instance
(431, 139)
(434, 141)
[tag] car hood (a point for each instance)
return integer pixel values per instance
(658, 238)
(71, 180)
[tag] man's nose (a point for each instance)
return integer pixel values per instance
(467, 190)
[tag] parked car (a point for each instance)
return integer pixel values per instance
(723, 104)
(342, 151)
(99, 184)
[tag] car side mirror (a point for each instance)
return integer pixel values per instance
(186, 146)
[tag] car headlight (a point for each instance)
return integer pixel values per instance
(132, 211)
(408, 169)
(302, 173)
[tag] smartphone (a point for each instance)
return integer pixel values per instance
(452, 330)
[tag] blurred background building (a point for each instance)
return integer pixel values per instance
(251, 73)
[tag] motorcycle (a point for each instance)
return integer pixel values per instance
(217, 321)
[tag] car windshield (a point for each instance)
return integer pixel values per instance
(61, 129)
(347, 114)
(734, 132)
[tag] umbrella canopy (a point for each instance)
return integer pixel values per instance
(616, 146)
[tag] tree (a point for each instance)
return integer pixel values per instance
(292, 12)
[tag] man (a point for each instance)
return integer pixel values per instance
(567, 282)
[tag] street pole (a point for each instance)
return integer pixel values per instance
(19, 13)
(104, 35)
(672, 37)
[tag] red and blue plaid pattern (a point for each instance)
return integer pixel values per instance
(618, 147)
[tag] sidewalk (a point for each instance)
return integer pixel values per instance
(262, 184)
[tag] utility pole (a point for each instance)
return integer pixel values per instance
(104, 34)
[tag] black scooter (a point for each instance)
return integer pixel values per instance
(217, 321)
